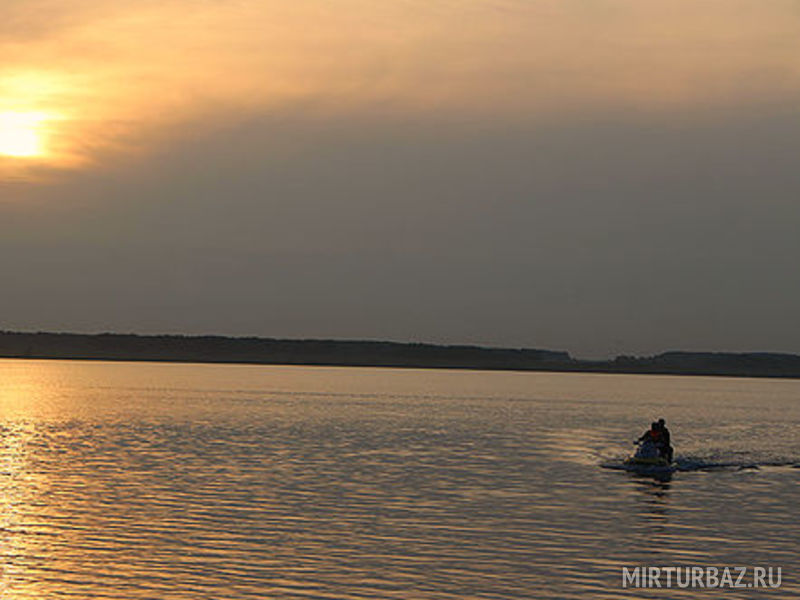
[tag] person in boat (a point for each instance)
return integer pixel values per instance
(666, 443)
(655, 435)
(659, 435)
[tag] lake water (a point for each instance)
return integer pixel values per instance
(161, 481)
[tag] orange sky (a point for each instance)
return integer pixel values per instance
(118, 76)
(599, 176)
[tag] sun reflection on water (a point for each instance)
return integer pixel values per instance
(15, 496)
(27, 509)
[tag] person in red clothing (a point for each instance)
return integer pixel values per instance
(656, 435)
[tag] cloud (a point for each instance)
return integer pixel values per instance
(657, 232)
(121, 76)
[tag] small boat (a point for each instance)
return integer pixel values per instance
(647, 455)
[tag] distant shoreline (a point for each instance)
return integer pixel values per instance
(344, 353)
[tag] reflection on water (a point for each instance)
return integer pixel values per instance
(653, 502)
(130, 481)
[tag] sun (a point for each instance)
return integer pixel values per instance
(21, 134)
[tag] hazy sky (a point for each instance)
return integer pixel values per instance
(599, 176)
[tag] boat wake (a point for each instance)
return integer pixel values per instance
(690, 464)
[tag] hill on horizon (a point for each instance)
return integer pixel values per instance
(367, 353)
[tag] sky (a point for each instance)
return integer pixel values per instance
(599, 176)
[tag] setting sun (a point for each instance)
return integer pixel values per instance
(20, 134)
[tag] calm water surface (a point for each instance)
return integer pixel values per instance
(158, 481)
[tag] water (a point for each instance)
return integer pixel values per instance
(133, 481)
